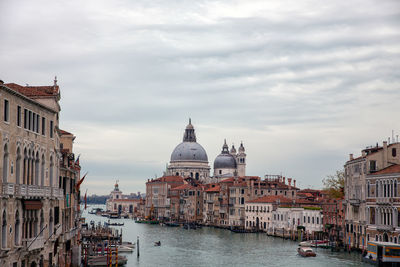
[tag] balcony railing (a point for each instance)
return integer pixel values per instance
(32, 243)
(384, 200)
(26, 191)
(385, 227)
(355, 201)
(8, 189)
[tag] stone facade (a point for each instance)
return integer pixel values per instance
(38, 221)
(158, 204)
(383, 205)
(117, 203)
(373, 159)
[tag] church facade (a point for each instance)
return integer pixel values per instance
(189, 159)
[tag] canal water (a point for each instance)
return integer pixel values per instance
(217, 247)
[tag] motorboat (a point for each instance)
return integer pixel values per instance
(157, 244)
(125, 249)
(128, 244)
(382, 253)
(306, 252)
(101, 261)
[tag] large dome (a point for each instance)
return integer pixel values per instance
(189, 151)
(225, 161)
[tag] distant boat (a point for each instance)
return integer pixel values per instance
(306, 252)
(125, 249)
(101, 261)
(128, 244)
(113, 224)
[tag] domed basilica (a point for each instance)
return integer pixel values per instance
(189, 159)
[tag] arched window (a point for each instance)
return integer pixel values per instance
(51, 221)
(37, 168)
(377, 189)
(5, 164)
(24, 167)
(18, 166)
(42, 171)
(4, 230)
(41, 222)
(197, 176)
(394, 152)
(35, 224)
(51, 171)
(16, 229)
(368, 189)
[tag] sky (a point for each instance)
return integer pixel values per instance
(302, 83)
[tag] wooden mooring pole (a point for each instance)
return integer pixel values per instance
(137, 245)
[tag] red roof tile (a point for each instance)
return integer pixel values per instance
(34, 91)
(388, 170)
(213, 189)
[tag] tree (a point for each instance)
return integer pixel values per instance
(334, 184)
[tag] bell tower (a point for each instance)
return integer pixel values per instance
(241, 161)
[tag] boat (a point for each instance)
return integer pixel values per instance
(171, 224)
(382, 253)
(305, 244)
(101, 261)
(113, 224)
(157, 244)
(306, 252)
(114, 216)
(128, 244)
(125, 249)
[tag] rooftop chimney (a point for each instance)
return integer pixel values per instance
(1, 82)
(284, 180)
(351, 157)
(294, 183)
(289, 181)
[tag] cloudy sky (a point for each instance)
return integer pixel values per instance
(301, 83)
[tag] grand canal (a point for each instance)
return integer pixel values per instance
(217, 247)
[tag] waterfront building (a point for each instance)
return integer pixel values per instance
(69, 176)
(372, 159)
(32, 204)
(287, 220)
(190, 201)
(118, 203)
(258, 212)
(383, 205)
(249, 188)
(211, 215)
(333, 218)
(158, 204)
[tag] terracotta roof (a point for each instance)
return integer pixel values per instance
(388, 170)
(64, 132)
(213, 189)
(271, 199)
(183, 187)
(34, 91)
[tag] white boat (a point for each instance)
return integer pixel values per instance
(101, 261)
(125, 249)
(305, 244)
(306, 252)
(128, 244)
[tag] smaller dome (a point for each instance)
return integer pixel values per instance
(233, 150)
(241, 148)
(225, 161)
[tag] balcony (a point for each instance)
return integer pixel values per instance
(355, 201)
(8, 189)
(222, 211)
(32, 243)
(384, 200)
(382, 227)
(210, 201)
